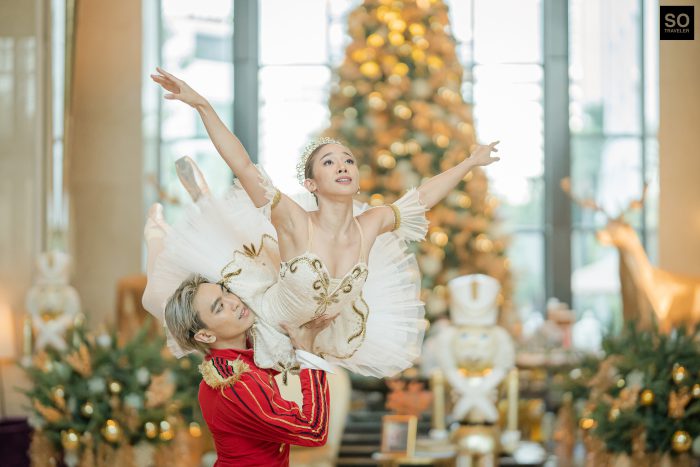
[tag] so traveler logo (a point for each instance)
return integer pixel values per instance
(676, 23)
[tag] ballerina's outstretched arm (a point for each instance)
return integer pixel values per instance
(436, 188)
(230, 149)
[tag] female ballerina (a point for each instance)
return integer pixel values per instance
(294, 262)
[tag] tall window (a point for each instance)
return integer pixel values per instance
(196, 44)
(295, 77)
(613, 121)
(502, 57)
(612, 110)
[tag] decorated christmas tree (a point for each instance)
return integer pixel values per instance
(399, 108)
(102, 402)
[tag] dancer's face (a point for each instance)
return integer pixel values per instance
(334, 171)
(225, 315)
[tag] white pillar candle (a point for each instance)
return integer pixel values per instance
(512, 400)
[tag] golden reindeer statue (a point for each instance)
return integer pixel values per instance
(648, 292)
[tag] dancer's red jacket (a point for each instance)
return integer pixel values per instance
(251, 423)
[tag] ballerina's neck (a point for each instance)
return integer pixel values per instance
(334, 219)
(361, 248)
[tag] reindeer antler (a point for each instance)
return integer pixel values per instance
(639, 202)
(586, 203)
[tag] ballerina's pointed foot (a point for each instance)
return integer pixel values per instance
(191, 178)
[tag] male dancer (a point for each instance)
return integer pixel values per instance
(251, 423)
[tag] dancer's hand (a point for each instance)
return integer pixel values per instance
(482, 154)
(303, 337)
(179, 90)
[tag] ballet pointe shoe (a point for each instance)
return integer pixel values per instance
(191, 178)
(156, 227)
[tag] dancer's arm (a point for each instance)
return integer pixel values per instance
(437, 187)
(254, 408)
(229, 147)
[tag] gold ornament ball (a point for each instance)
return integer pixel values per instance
(348, 91)
(166, 431)
(360, 55)
(679, 373)
(397, 25)
(87, 409)
(681, 441)
(439, 238)
(195, 430)
(386, 161)
(112, 431)
(376, 101)
(416, 29)
(435, 62)
(695, 391)
(375, 40)
(614, 414)
(396, 38)
(58, 392)
(402, 111)
(115, 387)
(400, 69)
(421, 43)
(418, 55)
(150, 429)
(483, 243)
(647, 397)
(370, 69)
(441, 141)
(394, 80)
(398, 148)
(350, 113)
(70, 440)
(587, 423)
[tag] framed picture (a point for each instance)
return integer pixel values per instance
(399, 434)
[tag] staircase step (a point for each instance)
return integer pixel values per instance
(361, 438)
(352, 461)
(363, 427)
(358, 450)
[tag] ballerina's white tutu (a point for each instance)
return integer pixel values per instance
(379, 330)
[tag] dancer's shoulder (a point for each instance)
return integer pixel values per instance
(219, 372)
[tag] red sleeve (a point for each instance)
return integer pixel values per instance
(252, 407)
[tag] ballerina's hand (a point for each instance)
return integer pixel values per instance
(303, 337)
(482, 154)
(178, 89)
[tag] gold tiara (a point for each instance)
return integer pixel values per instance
(308, 150)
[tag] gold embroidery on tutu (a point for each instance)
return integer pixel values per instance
(250, 251)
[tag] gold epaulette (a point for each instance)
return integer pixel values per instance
(219, 372)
